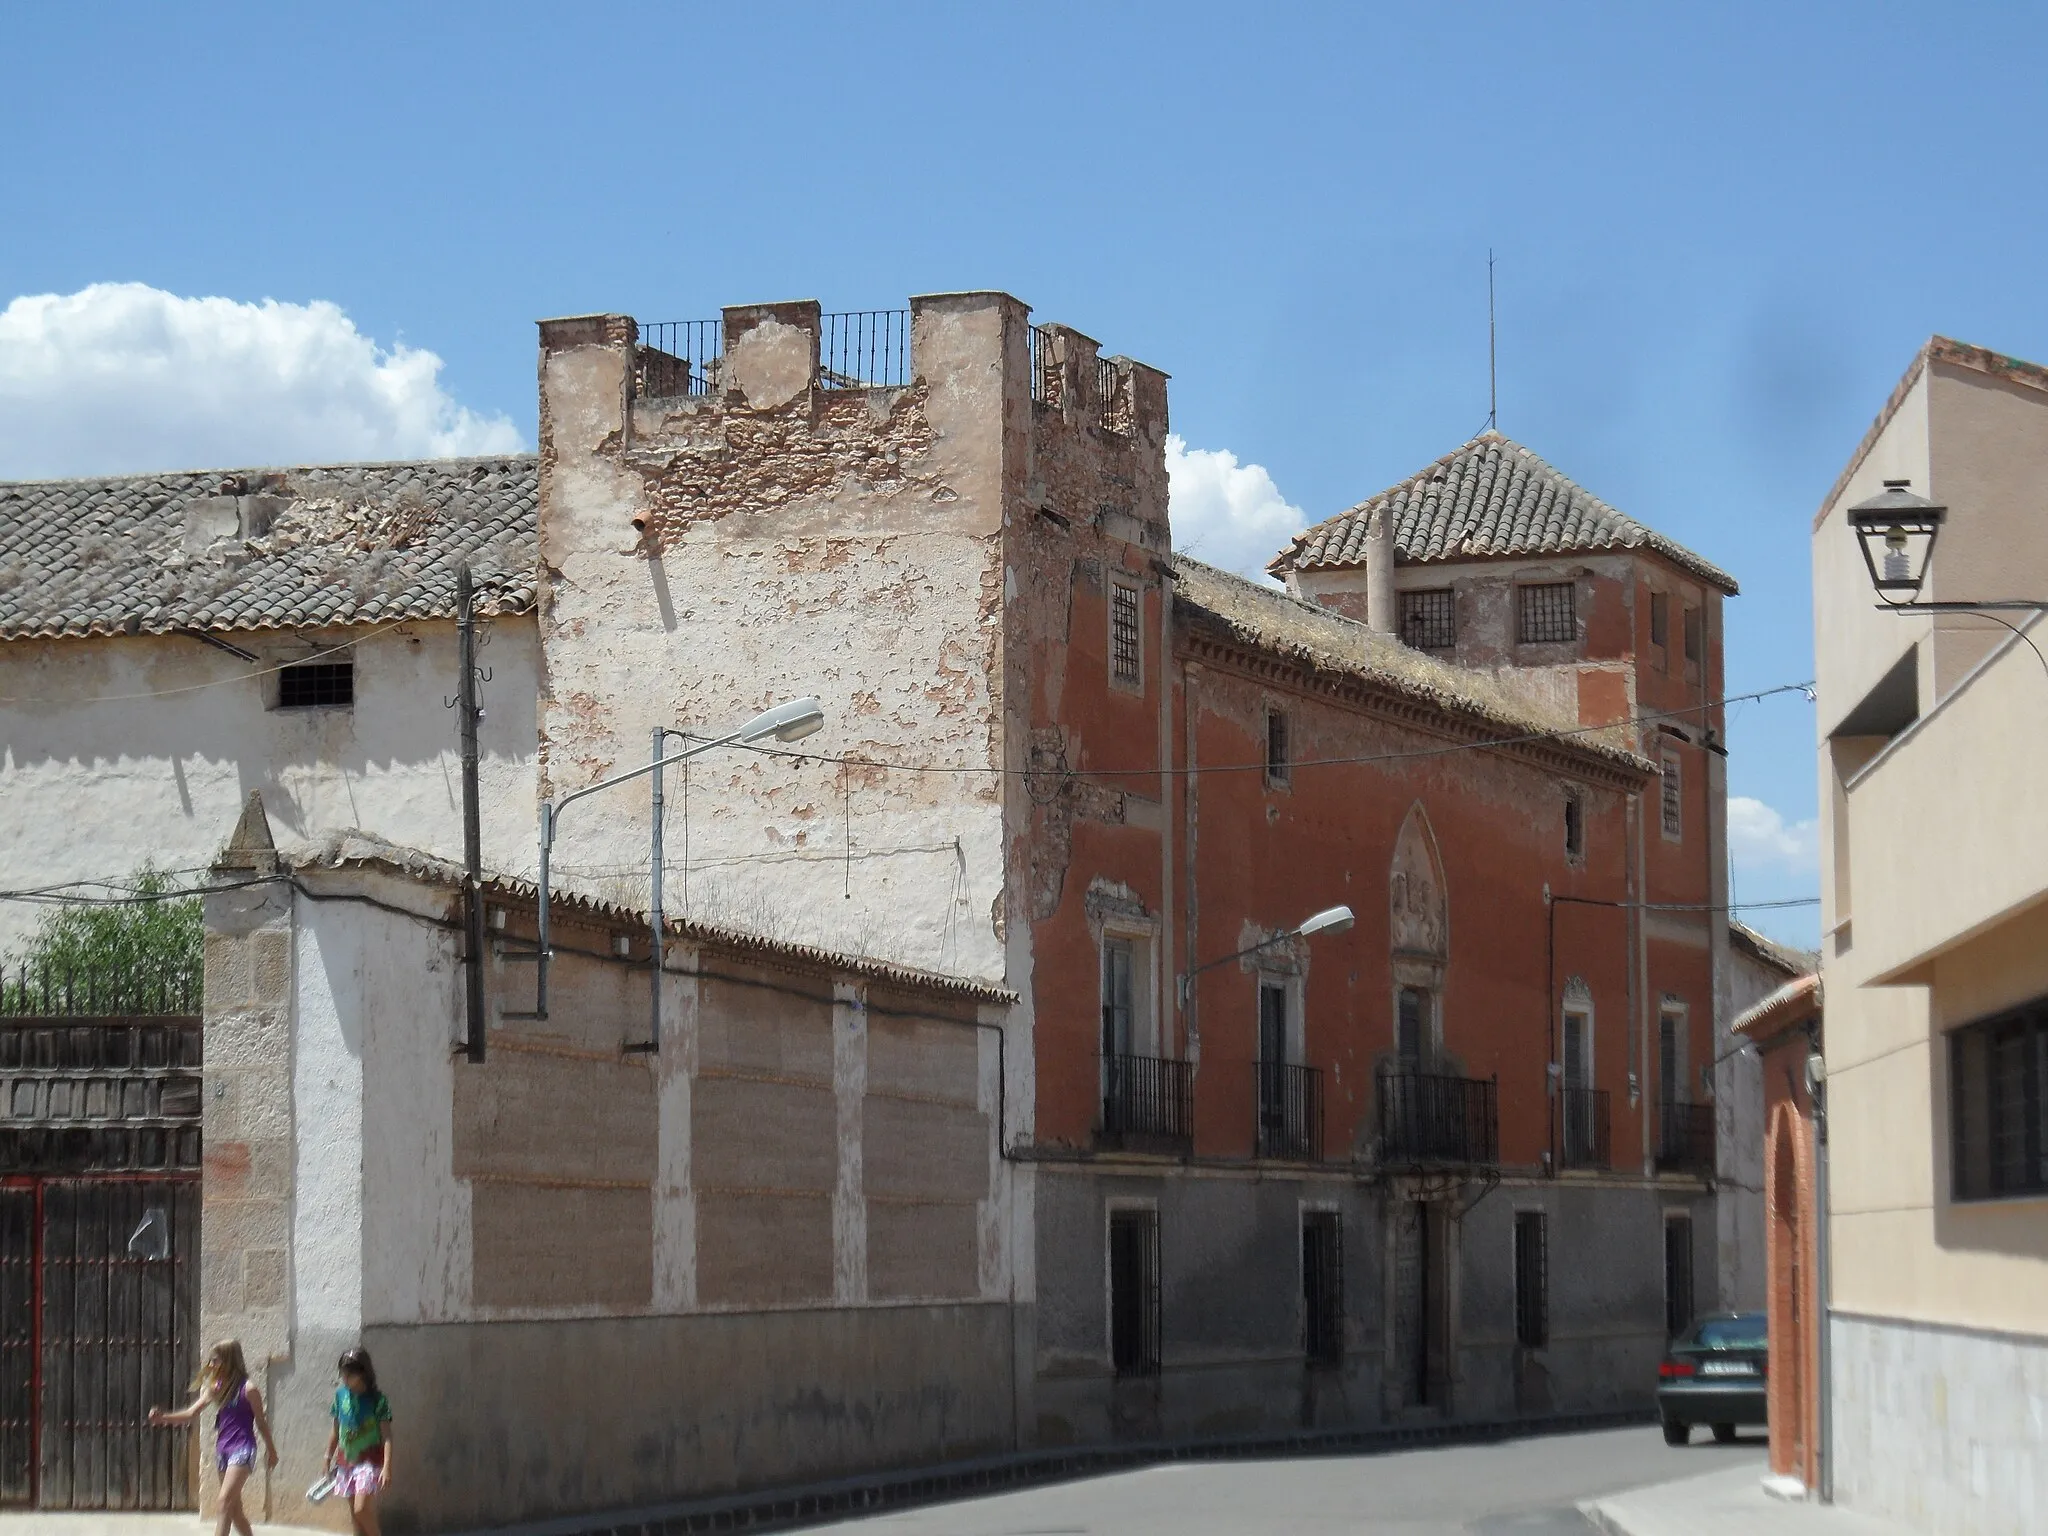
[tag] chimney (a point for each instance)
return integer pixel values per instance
(1379, 570)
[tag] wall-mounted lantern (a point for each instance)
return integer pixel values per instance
(1897, 530)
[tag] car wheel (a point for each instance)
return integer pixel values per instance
(1725, 1433)
(1676, 1433)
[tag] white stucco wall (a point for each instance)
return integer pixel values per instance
(123, 750)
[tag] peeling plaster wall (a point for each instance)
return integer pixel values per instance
(706, 557)
(117, 751)
(554, 1212)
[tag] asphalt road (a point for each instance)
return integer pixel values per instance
(1517, 1488)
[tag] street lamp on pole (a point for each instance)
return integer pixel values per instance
(789, 721)
(1329, 920)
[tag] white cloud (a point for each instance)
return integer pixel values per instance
(1759, 837)
(1226, 513)
(121, 377)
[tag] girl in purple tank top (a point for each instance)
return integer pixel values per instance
(237, 1421)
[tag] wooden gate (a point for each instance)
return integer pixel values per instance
(99, 1258)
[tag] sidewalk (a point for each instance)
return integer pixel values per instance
(1731, 1502)
(37, 1522)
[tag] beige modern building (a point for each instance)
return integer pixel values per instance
(1933, 726)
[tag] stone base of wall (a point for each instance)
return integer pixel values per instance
(1940, 1428)
(496, 1423)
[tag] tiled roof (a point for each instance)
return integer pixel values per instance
(265, 549)
(1490, 497)
(1310, 635)
(339, 850)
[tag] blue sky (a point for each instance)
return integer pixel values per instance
(1722, 231)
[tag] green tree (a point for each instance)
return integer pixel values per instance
(132, 955)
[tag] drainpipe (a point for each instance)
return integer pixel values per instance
(1816, 1085)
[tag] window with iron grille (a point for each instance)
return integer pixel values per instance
(1124, 655)
(317, 684)
(1532, 1281)
(1671, 796)
(1678, 1311)
(1998, 1105)
(1276, 747)
(1429, 620)
(1660, 619)
(1692, 634)
(1574, 825)
(1546, 613)
(1134, 1292)
(1322, 1287)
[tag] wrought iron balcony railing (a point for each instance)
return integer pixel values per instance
(1685, 1139)
(1438, 1117)
(1290, 1111)
(1582, 1132)
(1147, 1098)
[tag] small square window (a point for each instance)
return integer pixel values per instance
(1692, 634)
(1429, 620)
(1672, 796)
(1276, 747)
(1660, 619)
(317, 685)
(1546, 613)
(1574, 825)
(1125, 663)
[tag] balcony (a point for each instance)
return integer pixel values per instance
(1582, 1130)
(1290, 1112)
(1433, 1117)
(1685, 1139)
(1148, 1103)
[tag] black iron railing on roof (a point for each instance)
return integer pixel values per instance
(864, 349)
(1045, 367)
(678, 358)
(99, 991)
(1115, 410)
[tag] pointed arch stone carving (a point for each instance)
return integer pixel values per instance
(1417, 903)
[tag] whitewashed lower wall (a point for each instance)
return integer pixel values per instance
(1942, 1429)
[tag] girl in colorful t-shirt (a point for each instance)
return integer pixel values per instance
(359, 1447)
(238, 1419)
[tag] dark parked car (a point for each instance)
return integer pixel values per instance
(1716, 1372)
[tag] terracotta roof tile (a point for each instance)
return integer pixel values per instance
(1490, 497)
(265, 549)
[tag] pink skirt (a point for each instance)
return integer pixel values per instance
(357, 1478)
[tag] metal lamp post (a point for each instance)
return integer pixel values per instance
(790, 721)
(1329, 920)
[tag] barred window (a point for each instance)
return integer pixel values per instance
(1277, 757)
(1692, 634)
(1998, 1101)
(317, 684)
(1660, 619)
(1532, 1281)
(1429, 620)
(1124, 664)
(1672, 796)
(1546, 613)
(1574, 825)
(1134, 1292)
(1322, 1287)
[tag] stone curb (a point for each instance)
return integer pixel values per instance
(794, 1508)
